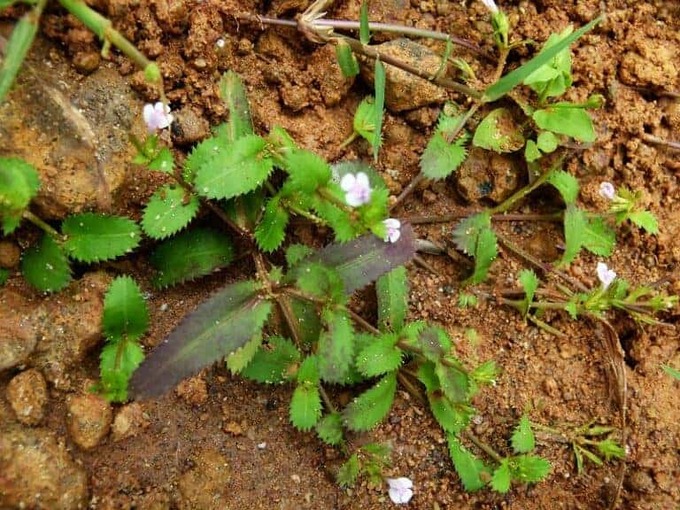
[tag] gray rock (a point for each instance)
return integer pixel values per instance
(405, 91)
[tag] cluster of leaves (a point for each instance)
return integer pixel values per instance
(85, 238)
(595, 443)
(519, 467)
(124, 321)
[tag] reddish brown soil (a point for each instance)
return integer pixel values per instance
(199, 449)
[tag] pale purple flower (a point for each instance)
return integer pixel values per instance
(157, 116)
(605, 275)
(607, 190)
(393, 230)
(401, 490)
(491, 5)
(357, 189)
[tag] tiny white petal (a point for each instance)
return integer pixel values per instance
(362, 180)
(491, 5)
(401, 490)
(347, 182)
(607, 190)
(605, 275)
(393, 230)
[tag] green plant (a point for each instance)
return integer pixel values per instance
(124, 321)
(26, 29)
(86, 237)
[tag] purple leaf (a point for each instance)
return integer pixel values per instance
(363, 260)
(215, 329)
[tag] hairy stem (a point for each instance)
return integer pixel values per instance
(38, 222)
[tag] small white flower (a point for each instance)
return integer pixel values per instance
(401, 490)
(157, 116)
(605, 275)
(607, 190)
(491, 5)
(357, 189)
(393, 230)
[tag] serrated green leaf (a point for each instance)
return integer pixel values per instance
(45, 266)
(501, 478)
(349, 66)
(475, 237)
(92, 237)
(305, 406)
(218, 327)
(344, 228)
(307, 171)
(529, 468)
(234, 169)
(349, 471)
(547, 142)
(499, 132)
(163, 161)
(169, 210)
(453, 418)
(203, 153)
(453, 379)
(274, 362)
(191, 254)
(529, 282)
(118, 361)
(566, 184)
(441, 158)
(364, 119)
(308, 372)
(610, 449)
(329, 429)
(297, 252)
(125, 312)
(566, 119)
(233, 93)
(241, 357)
(579, 233)
(379, 84)
(369, 408)
(392, 289)
(335, 347)
(470, 469)
(433, 343)
(271, 230)
(380, 356)
(19, 184)
(522, 439)
(645, 220)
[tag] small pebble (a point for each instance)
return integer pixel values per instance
(27, 394)
(89, 420)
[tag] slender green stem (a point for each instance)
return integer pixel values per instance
(326, 399)
(38, 222)
(103, 28)
(483, 446)
(520, 194)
